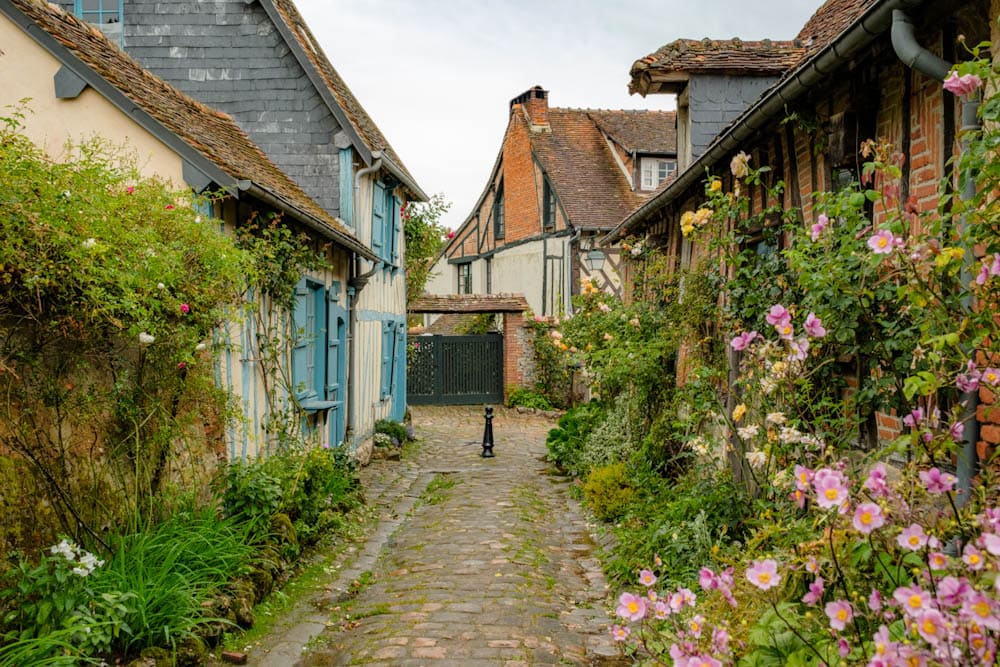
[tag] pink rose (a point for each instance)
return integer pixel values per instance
(962, 85)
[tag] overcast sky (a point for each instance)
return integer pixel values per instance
(437, 75)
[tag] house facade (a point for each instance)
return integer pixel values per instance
(562, 179)
(327, 171)
(865, 69)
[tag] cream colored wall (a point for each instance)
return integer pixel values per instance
(27, 70)
(382, 299)
(518, 270)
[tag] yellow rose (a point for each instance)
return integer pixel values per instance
(738, 412)
(716, 185)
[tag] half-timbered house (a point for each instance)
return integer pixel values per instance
(563, 177)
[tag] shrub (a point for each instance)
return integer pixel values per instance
(306, 485)
(392, 429)
(169, 571)
(528, 398)
(617, 437)
(608, 491)
(565, 442)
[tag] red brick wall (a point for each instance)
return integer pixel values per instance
(517, 352)
(521, 196)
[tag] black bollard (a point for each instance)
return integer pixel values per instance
(488, 434)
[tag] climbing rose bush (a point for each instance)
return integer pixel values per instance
(877, 557)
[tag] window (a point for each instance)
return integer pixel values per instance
(489, 275)
(393, 357)
(548, 207)
(465, 278)
(498, 214)
(105, 14)
(655, 171)
(386, 225)
(309, 343)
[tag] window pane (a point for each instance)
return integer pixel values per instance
(111, 6)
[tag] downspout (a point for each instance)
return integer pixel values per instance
(357, 282)
(913, 55)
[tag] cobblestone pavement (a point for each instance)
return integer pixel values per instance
(475, 561)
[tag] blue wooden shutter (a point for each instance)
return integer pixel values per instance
(347, 185)
(387, 331)
(378, 219)
(396, 231)
(333, 344)
(300, 342)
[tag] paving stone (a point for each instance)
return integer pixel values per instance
(487, 570)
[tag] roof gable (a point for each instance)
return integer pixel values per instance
(580, 166)
(342, 102)
(710, 56)
(639, 131)
(207, 139)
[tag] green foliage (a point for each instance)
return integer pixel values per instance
(553, 375)
(425, 237)
(528, 398)
(608, 491)
(565, 443)
(56, 609)
(310, 486)
(693, 521)
(392, 429)
(480, 324)
(111, 284)
(616, 437)
(169, 570)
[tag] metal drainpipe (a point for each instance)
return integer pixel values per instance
(917, 57)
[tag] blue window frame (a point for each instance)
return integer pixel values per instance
(309, 326)
(107, 15)
(387, 225)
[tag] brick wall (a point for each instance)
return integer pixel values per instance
(518, 353)
(521, 196)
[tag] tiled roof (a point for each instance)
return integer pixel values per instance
(829, 21)
(587, 181)
(211, 133)
(720, 56)
(468, 303)
(356, 114)
(640, 131)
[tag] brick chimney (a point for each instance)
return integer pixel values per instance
(535, 102)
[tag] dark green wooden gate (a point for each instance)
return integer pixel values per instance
(455, 370)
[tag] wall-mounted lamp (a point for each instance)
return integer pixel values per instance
(594, 260)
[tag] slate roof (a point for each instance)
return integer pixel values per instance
(211, 133)
(356, 114)
(640, 131)
(468, 303)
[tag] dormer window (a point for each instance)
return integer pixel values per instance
(105, 14)
(655, 170)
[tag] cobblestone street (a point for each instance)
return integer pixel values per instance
(475, 561)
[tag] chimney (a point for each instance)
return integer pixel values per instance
(536, 104)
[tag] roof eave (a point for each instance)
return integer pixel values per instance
(400, 173)
(308, 219)
(875, 21)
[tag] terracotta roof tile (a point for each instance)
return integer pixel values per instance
(588, 182)
(468, 303)
(830, 20)
(213, 134)
(356, 114)
(640, 131)
(720, 57)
